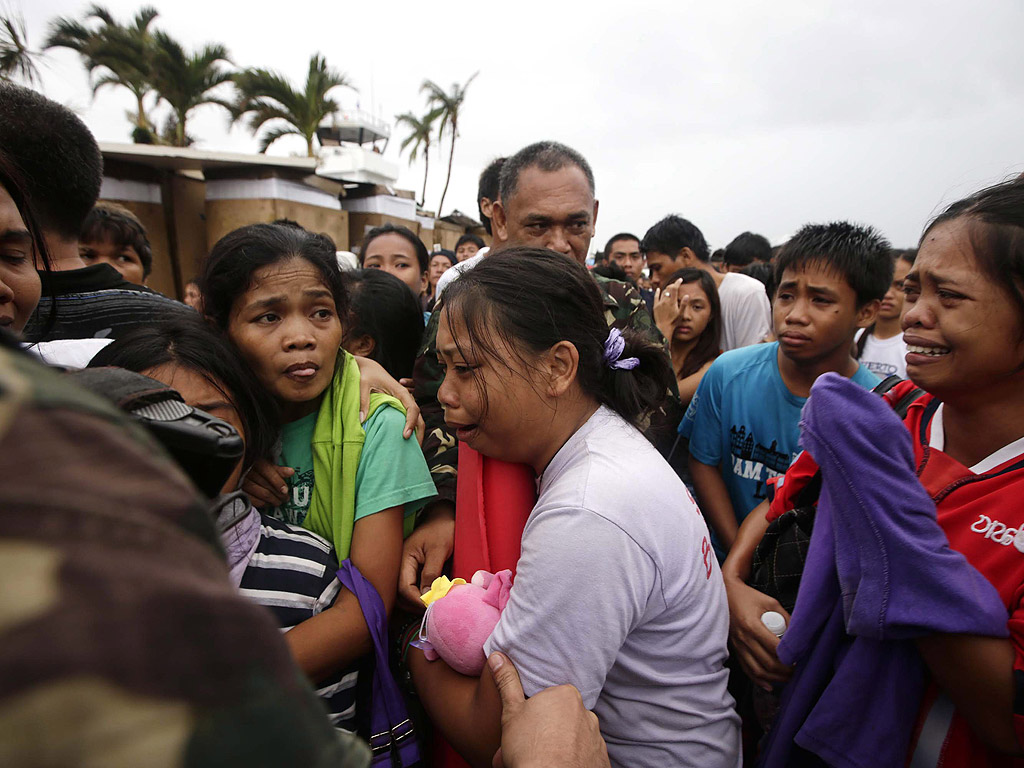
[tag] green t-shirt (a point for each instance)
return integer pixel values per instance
(391, 471)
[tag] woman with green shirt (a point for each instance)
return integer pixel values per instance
(276, 292)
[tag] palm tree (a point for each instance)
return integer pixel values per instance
(450, 105)
(121, 54)
(185, 81)
(269, 96)
(421, 132)
(16, 58)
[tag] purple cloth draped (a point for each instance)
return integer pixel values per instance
(392, 732)
(879, 573)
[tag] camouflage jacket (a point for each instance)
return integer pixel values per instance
(122, 641)
(624, 308)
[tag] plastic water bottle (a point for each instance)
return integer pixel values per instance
(766, 703)
(775, 622)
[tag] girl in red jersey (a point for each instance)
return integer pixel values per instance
(964, 329)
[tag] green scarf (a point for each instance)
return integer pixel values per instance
(338, 439)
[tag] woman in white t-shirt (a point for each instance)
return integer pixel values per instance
(881, 347)
(617, 591)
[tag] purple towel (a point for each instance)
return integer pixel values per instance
(879, 572)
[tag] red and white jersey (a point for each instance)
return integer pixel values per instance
(981, 510)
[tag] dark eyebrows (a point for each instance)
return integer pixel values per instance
(16, 237)
(818, 290)
(266, 303)
(318, 293)
(822, 290)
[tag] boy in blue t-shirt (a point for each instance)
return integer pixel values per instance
(744, 422)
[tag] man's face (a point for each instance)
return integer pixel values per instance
(466, 251)
(661, 265)
(123, 258)
(626, 253)
(816, 314)
(549, 209)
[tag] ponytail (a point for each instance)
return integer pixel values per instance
(531, 299)
(635, 393)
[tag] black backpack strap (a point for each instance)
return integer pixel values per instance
(888, 383)
(904, 403)
(862, 342)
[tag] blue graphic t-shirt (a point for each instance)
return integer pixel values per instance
(745, 419)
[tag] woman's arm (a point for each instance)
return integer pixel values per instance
(332, 640)
(688, 385)
(467, 710)
(977, 673)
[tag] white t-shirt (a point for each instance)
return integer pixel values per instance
(884, 357)
(73, 354)
(746, 311)
(618, 593)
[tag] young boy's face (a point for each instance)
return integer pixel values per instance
(123, 258)
(815, 314)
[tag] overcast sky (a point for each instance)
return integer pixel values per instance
(736, 115)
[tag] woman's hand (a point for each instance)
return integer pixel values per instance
(373, 378)
(425, 553)
(755, 646)
(668, 302)
(266, 484)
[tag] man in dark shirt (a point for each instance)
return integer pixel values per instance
(63, 169)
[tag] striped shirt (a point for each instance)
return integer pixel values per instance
(96, 302)
(292, 572)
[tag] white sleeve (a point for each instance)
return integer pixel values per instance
(748, 319)
(582, 585)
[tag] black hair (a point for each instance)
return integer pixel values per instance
(908, 255)
(288, 223)
(995, 227)
(707, 346)
(450, 255)
(488, 187)
(107, 221)
(191, 343)
(228, 271)
(549, 156)
(452, 261)
(384, 309)
(672, 234)
(422, 255)
(612, 271)
(718, 256)
(747, 248)
(616, 238)
(763, 271)
(859, 254)
(532, 298)
(469, 237)
(56, 155)
(11, 180)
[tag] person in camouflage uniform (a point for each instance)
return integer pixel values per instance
(122, 642)
(547, 201)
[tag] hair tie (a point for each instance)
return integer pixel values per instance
(614, 346)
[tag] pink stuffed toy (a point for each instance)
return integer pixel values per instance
(460, 617)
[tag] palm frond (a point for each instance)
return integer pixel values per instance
(274, 134)
(15, 56)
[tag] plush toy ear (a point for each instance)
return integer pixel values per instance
(499, 589)
(482, 579)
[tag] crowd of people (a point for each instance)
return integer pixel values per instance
(756, 505)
